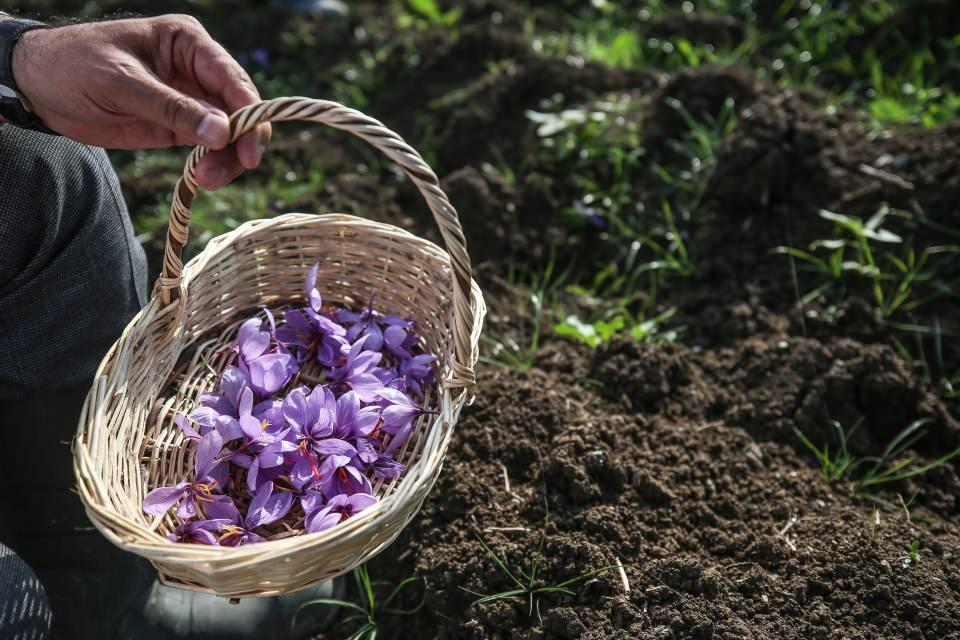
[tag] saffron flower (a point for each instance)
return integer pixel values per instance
(259, 447)
(416, 372)
(340, 474)
(198, 531)
(226, 401)
(398, 416)
(337, 510)
(192, 494)
(358, 370)
(310, 333)
(265, 508)
(265, 361)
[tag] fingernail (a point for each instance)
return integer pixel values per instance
(216, 177)
(213, 130)
(261, 146)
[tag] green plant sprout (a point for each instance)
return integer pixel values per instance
(424, 13)
(893, 280)
(864, 474)
(370, 611)
(543, 287)
(913, 555)
(529, 587)
(600, 331)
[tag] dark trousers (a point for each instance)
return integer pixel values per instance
(71, 277)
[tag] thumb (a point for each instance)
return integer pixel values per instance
(188, 119)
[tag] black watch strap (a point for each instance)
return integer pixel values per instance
(14, 108)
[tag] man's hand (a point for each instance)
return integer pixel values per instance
(138, 84)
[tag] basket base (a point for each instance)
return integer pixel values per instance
(161, 612)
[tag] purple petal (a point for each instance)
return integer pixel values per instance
(297, 410)
(252, 428)
(252, 473)
(367, 450)
(322, 520)
(311, 501)
(246, 402)
(267, 507)
(375, 338)
(184, 424)
(360, 501)
(366, 385)
(310, 288)
(229, 428)
(302, 472)
(207, 451)
(242, 460)
(222, 508)
(270, 372)
(161, 499)
(251, 341)
(335, 447)
(271, 411)
(399, 416)
(394, 336)
(270, 457)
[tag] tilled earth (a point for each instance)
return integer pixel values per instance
(680, 461)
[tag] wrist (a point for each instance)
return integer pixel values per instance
(15, 106)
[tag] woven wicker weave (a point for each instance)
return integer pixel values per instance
(127, 444)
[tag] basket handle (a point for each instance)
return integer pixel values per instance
(393, 146)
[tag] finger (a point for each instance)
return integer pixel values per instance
(189, 120)
(219, 168)
(250, 146)
(219, 75)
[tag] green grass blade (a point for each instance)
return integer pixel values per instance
(499, 562)
(504, 595)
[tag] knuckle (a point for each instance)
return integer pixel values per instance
(176, 108)
(188, 21)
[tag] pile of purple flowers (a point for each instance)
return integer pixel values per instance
(270, 449)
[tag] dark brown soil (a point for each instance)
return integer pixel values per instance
(680, 461)
(680, 466)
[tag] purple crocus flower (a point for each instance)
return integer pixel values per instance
(362, 325)
(312, 418)
(310, 333)
(226, 401)
(354, 420)
(265, 508)
(190, 495)
(399, 338)
(416, 372)
(399, 413)
(198, 531)
(358, 370)
(339, 474)
(386, 467)
(260, 447)
(374, 326)
(337, 510)
(267, 363)
(302, 484)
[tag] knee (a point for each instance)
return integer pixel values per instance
(24, 610)
(52, 187)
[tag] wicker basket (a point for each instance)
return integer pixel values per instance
(127, 443)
